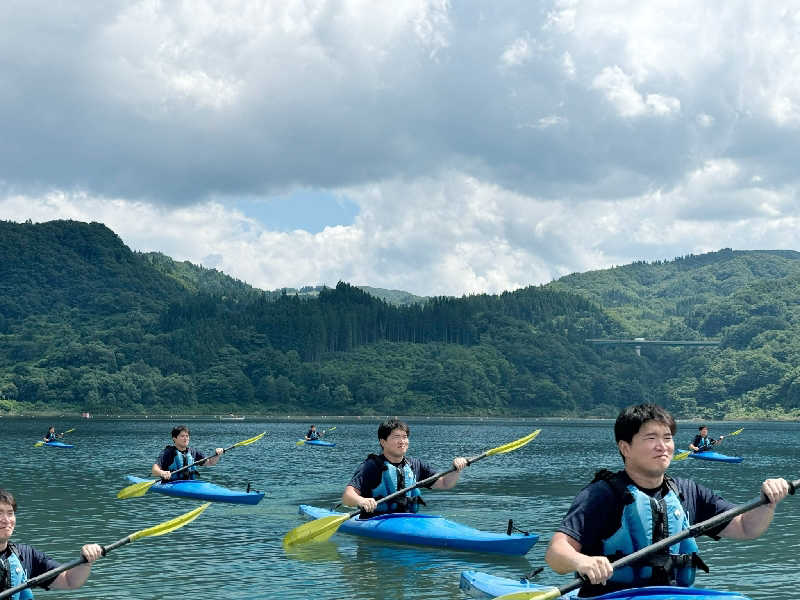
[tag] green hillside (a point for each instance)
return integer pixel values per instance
(747, 299)
(86, 324)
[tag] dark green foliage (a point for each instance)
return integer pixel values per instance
(86, 324)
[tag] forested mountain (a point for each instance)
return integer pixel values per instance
(86, 324)
(750, 300)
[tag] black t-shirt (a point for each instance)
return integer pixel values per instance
(369, 473)
(34, 562)
(595, 513)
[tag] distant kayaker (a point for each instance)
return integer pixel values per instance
(703, 443)
(51, 434)
(619, 513)
(20, 562)
(379, 476)
(178, 455)
(313, 434)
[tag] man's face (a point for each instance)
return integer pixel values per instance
(704, 432)
(396, 445)
(8, 521)
(651, 449)
(182, 441)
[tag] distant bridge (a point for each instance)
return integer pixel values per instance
(637, 343)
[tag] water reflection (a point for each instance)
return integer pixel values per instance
(67, 498)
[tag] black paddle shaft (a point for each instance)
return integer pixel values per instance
(52, 573)
(693, 531)
(424, 482)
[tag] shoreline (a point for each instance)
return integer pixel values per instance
(244, 418)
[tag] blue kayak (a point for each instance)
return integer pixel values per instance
(429, 530)
(201, 490)
(483, 585)
(58, 445)
(715, 456)
(317, 443)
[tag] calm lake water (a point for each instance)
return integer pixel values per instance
(67, 498)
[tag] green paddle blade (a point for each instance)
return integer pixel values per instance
(38, 444)
(300, 443)
(513, 445)
(68, 431)
(171, 525)
(250, 441)
(318, 530)
(136, 490)
(550, 594)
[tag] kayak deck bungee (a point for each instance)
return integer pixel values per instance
(715, 456)
(58, 445)
(483, 585)
(317, 443)
(201, 490)
(429, 530)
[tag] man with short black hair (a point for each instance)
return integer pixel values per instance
(379, 476)
(21, 562)
(620, 513)
(179, 455)
(702, 442)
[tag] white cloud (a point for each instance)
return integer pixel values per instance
(612, 131)
(619, 90)
(517, 53)
(453, 234)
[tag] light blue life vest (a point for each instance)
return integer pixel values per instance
(17, 575)
(705, 442)
(388, 485)
(646, 520)
(181, 460)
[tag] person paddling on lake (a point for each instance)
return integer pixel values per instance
(313, 434)
(51, 435)
(20, 562)
(379, 476)
(703, 443)
(180, 455)
(620, 513)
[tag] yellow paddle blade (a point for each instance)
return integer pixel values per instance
(136, 490)
(737, 432)
(171, 525)
(68, 431)
(318, 530)
(250, 441)
(550, 594)
(513, 445)
(682, 455)
(331, 429)
(38, 444)
(300, 443)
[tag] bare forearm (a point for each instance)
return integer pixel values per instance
(74, 578)
(447, 481)
(350, 497)
(751, 524)
(562, 557)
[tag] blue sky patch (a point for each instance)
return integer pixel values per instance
(311, 210)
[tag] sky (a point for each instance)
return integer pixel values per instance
(437, 147)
